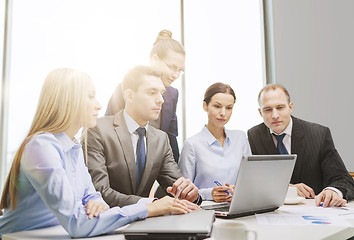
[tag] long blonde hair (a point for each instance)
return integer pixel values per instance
(61, 103)
(164, 43)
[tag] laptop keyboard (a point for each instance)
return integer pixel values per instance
(219, 207)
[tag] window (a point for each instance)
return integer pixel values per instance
(223, 44)
(105, 38)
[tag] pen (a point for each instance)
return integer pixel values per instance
(219, 184)
(341, 208)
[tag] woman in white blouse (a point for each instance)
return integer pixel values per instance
(213, 155)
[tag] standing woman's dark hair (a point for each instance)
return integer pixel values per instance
(218, 88)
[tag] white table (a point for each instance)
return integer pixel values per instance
(264, 232)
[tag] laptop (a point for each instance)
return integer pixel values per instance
(261, 186)
(194, 225)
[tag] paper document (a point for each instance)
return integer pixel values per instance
(307, 215)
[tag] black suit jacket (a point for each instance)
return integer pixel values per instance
(318, 163)
(169, 119)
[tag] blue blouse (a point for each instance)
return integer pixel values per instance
(204, 160)
(53, 188)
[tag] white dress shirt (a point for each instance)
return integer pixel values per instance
(132, 125)
(287, 137)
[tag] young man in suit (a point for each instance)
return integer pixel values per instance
(126, 155)
(319, 169)
(167, 120)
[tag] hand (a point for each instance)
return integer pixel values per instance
(330, 199)
(168, 205)
(231, 188)
(94, 208)
(189, 190)
(190, 205)
(304, 191)
(219, 193)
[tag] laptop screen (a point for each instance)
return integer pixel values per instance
(262, 182)
(261, 185)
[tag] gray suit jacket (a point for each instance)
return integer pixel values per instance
(112, 166)
(168, 115)
(318, 163)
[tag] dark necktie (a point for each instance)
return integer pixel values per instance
(140, 155)
(280, 145)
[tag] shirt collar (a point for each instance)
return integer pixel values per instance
(227, 135)
(287, 130)
(210, 137)
(132, 125)
(66, 142)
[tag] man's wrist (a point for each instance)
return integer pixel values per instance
(336, 190)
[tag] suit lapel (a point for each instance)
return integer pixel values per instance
(297, 146)
(151, 148)
(268, 143)
(125, 141)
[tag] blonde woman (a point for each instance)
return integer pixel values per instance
(168, 57)
(211, 158)
(39, 190)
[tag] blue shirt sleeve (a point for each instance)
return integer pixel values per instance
(187, 165)
(187, 161)
(47, 167)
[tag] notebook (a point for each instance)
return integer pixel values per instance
(194, 225)
(261, 186)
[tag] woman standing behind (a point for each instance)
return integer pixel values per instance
(168, 57)
(215, 153)
(39, 190)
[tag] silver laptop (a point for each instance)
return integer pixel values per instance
(194, 225)
(261, 186)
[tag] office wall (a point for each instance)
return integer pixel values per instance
(313, 56)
